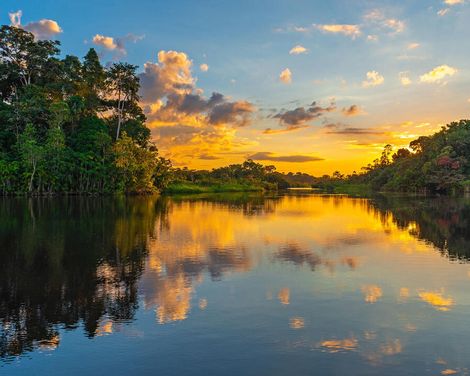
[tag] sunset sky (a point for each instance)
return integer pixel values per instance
(313, 86)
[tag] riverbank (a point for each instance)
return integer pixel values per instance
(194, 188)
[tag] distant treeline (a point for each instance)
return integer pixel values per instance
(432, 164)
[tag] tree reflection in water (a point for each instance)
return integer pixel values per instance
(71, 261)
(78, 262)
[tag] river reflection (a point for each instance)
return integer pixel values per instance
(234, 284)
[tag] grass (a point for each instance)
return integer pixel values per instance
(347, 189)
(193, 188)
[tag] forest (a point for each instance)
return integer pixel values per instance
(435, 164)
(71, 125)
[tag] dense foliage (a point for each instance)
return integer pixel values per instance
(432, 164)
(69, 125)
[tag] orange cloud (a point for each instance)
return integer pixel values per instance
(286, 76)
(352, 31)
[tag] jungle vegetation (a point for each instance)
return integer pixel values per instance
(438, 163)
(70, 125)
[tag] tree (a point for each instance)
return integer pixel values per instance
(31, 154)
(123, 88)
(24, 58)
(94, 77)
(136, 165)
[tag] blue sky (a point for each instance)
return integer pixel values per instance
(246, 45)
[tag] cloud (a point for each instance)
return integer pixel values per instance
(297, 158)
(286, 76)
(397, 26)
(297, 50)
(373, 79)
(171, 75)
(377, 17)
(42, 29)
(372, 38)
(103, 41)
(338, 129)
(404, 78)
(443, 12)
(15, 18)
(235, 113)
(353, 110)
(208, 157)
(301, 115)
(117, 44)
(413, 46)
(287, 129)
(438, 74)
(453, 2)
(184, 121)
(352, 31)
(204, 67)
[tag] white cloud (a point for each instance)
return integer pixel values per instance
(116, 43)
(404, 79)
(438, 74)
(377, 17)
(204, 67)
(15, 18)
(373, 79)
(297, 50)
(286, 76)
(372, 38)
(443, 12)
(352, 31)
(453, 2)
(42, 29)
(104, 41)
(413, 46)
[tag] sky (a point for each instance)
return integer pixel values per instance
(311, 86)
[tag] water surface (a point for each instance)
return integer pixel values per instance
(298, 284)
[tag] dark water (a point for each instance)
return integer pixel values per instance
(235, 285)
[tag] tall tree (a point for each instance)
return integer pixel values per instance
(123, 86)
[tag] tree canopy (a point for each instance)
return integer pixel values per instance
(70, 125)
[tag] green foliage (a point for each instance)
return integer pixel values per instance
(436, 164)
(135, 165)
(61, 121)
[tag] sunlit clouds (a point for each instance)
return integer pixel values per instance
(204, 67)
(297, 50)
(405, 80)
(353, 110)
(352, 31)
(438, 74)
(185, 121)
(413, 46)
(374, 78)
(378, 18)
(286, 76)
(116, 44)
(42, 29)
